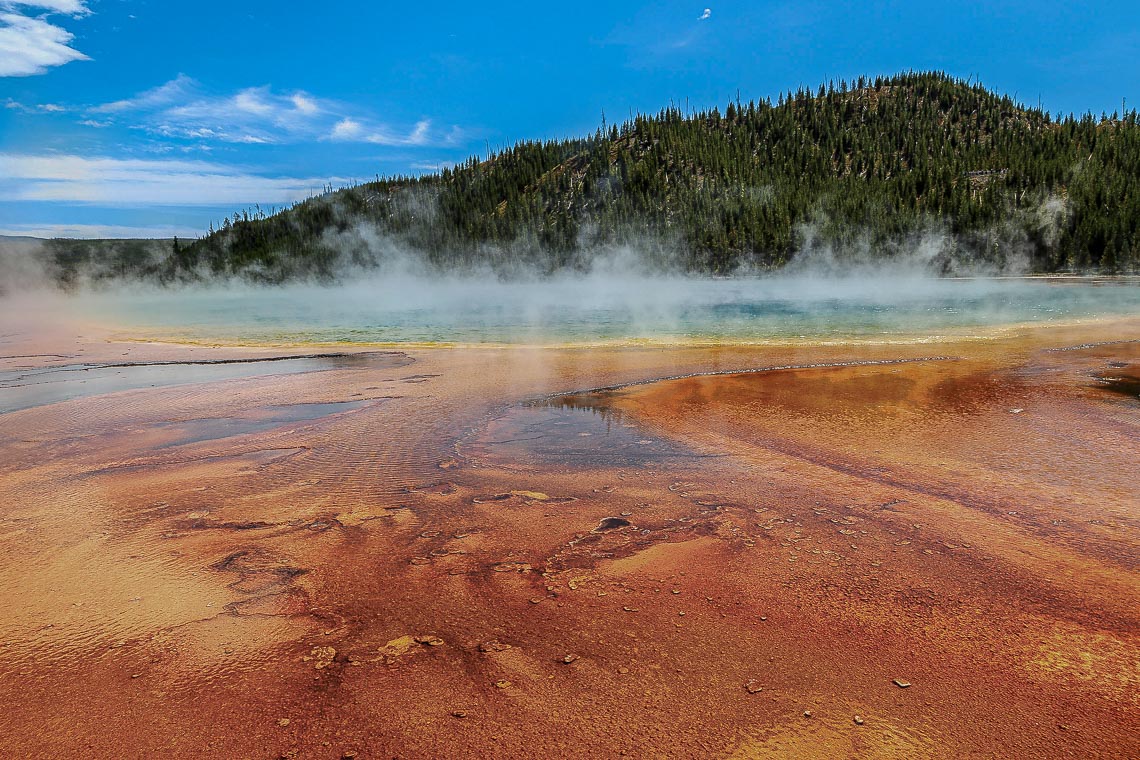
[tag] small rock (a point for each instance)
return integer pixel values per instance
(429, 641)
(611, 523)
(570, 658)
(676, 591)
(396, 648)
(350, 755)
(502, 683)
(752, 687)
(535, 600)
(458, 714)
(900, 683)
(322, 657)
(283, 722)
(807, 713)
(630, 609)
(532, 495)
(494, 646)
(858, 720)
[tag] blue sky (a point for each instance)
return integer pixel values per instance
(141, 117)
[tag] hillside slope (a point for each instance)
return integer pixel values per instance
(862, 169)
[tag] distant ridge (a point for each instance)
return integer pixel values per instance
(863, 169)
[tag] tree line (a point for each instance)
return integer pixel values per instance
(855, 166)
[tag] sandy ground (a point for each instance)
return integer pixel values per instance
(930, 553)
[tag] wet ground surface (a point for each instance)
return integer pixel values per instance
(25, 383)
(578, 431)
(437, 555)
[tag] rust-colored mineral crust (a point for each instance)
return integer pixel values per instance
(430, 554)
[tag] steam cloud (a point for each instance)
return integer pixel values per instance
(381, 286)
(384, 290)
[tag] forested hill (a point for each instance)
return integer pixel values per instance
(863, 168)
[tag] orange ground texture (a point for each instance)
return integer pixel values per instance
(923, 550)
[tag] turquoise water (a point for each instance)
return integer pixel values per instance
(599, 310)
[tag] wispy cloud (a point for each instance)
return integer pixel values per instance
(88, 179)
(304, 104)
(15, 105)
(351, 130)
(174, 91)
(31, 44)
(181, 108)
(70, 7)
(347, 129)
(705, 14)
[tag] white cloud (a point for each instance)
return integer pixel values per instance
(304, 103)
(181, 109)
(250, 101)
(346, 129)
(351, 130)
(30, 46)
(88, 179)
(38, 108)
(705, 14)
(254, 114)
(70, 7)
(174, 91)
(419, 135)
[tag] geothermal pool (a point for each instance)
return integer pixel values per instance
(603, 310)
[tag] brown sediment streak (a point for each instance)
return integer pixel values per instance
(38, 356)
(1121, 551)
(1096, 344)
(53, 369)
(749, 371)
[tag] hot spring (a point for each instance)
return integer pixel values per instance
(596, 310)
